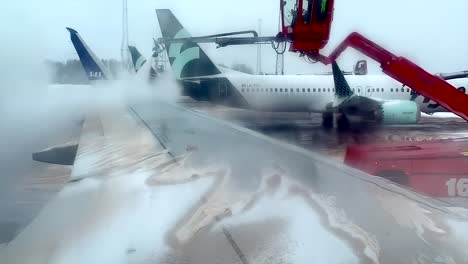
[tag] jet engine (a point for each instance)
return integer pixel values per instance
(398, 112)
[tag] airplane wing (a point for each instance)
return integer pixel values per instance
(357, 104)
(154, 182)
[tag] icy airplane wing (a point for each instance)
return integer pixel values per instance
(157, 183)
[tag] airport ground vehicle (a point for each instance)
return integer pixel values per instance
(307, 25)
(436, 168)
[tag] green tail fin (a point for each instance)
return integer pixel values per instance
(137, 59)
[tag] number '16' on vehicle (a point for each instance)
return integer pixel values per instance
(457, 187)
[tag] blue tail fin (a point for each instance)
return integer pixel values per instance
(187, 60)
(94, 68)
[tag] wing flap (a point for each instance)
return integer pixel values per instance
(346, 101)
(356, 105)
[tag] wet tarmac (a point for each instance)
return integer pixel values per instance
(305, 130)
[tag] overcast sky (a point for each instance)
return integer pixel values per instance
(432, 33)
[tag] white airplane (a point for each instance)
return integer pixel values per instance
(370, 97)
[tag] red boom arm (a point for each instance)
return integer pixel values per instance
(406, 72)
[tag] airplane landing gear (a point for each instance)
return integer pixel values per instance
(327, 120)
(342, 123)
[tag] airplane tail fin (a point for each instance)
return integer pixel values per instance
(360, 68)
(342, 89)
(137, 59)
(187, 60)
(93, 66)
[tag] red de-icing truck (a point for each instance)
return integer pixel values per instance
(436, 168)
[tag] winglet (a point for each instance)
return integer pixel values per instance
(94, 68)
(342, 89)
(60, 155)
(72, 31)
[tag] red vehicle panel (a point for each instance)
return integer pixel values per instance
(435, 168)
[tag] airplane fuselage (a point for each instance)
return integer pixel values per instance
(310, 93)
